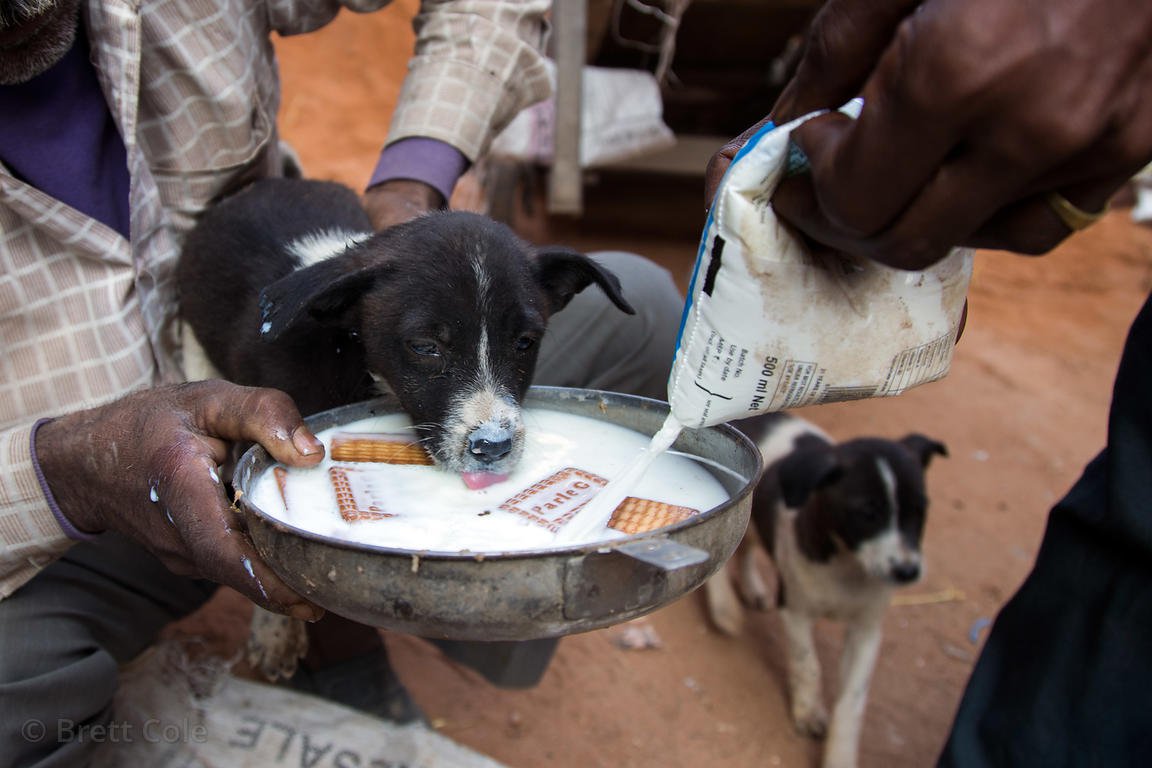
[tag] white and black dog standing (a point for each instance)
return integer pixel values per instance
(285, 285)
(842, 523)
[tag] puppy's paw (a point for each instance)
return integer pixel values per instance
(729, 620)
(760, 603)
(838, 756)
(275, 644)
(724, 606)
(810, 720)
(756, 597)
(753, 588)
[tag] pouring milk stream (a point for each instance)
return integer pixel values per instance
(768, 327)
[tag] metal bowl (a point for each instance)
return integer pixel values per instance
(519, 595)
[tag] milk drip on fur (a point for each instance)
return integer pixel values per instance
(767, 326)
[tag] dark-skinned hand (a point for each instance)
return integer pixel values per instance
(146, 466)
(974, 111)
(397, 201)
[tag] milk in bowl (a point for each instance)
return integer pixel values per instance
(376, 486)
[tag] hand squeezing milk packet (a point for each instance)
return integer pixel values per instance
(767, 327)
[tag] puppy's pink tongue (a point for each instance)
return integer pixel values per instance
(477, 480)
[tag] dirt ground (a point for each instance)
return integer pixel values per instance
(1022, 411)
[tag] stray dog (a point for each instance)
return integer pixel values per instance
(285, 285)
(842, 523)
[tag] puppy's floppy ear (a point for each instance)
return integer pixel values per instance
(923, 447)
(813, 465)
(323, 291)
(562, 273)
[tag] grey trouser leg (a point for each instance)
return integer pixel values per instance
(591, 343)
(63, 636)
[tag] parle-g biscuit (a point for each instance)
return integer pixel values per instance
(636, 515)
(378, 447)
(356, 495)
(553, 501)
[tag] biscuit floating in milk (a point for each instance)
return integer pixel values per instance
(281, 475)
(356, 495)
(378, 447)
(423, 508)
(552, 501)
(642, 515)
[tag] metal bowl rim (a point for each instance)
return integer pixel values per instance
(250, 455)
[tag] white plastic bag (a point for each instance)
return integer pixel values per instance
(621, 116)
(767, 327)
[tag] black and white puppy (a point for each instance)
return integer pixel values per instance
(285, 285)
(842, 523)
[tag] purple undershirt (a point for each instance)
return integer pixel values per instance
(56, 134)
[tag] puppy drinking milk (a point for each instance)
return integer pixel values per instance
(842, 524)
(285, 285)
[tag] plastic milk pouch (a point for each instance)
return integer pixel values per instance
(766, 327)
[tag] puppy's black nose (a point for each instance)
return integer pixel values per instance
(489, 451)
(905, 573)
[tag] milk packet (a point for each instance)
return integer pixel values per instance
(768, 327)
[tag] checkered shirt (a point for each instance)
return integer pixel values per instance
(87, 316)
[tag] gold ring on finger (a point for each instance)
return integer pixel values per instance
(1073, 217)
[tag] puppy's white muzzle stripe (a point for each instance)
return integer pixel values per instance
(889, 552)
(485, 412)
